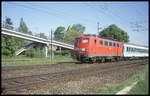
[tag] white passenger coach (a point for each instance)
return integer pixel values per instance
(132, 50)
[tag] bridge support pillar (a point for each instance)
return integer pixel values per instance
(52, 52)
(46, 51)
(59, 49)
(38, 48)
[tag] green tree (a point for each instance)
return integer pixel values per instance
(30, 32)
(70, 35)
(8, 23)
(8, 43)
(76, 30)
(79, 28)
(23, 27)
(59, 33)
(114, 33)
(42, 35)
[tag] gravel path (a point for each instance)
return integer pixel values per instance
(126, 89)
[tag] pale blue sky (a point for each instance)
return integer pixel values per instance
(44, 16)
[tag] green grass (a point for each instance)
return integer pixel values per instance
(114, 88)
(140, 88)
(21, 57)
(15, 58)
(37, 61)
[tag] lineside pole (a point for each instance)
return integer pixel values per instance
(51, 46)
(97, 27)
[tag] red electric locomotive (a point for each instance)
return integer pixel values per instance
(94, 49)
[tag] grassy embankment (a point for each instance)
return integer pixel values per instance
(35, 61)
(140, 88)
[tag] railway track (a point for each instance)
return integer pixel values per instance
(9, 68)
(15, 82)
(33, 66)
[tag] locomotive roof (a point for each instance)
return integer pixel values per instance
(97, 36)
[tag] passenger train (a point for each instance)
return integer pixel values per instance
(92, 49)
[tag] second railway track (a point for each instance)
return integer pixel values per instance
(15, 82)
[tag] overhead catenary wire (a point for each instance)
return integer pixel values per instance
(104, 13)
(48, 12)
(55, 14)
(59, 13)
(119, 18)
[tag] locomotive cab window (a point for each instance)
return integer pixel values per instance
(110, 43)
(85, 40)
(106, 43)
(95, 41)
(117, 45)
(114, 44)
(101, 42)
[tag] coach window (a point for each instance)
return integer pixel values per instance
(134, 49)
(130, 49)
(101, 42)
(85, 40)
(106, 43)
(127, 48)
(110, 43)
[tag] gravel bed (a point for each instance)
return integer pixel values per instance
(39, 69)
(42, 69)
(80, 84)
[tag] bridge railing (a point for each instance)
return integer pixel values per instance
(36, 39)
(22, 35)
(63, 41)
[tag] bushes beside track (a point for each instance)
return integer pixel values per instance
(64, 52)
(34, 53)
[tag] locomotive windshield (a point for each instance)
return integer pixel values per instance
(85, 41)
(77, 40)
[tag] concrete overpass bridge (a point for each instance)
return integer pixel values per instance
(35, 39)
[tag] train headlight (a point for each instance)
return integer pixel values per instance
(77, 49)
(84, 49)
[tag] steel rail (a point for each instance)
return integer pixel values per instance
(77, 71)
(36, 66)
(50, 73)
